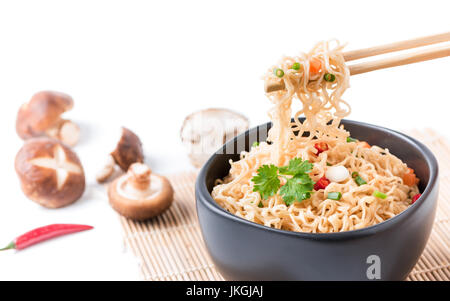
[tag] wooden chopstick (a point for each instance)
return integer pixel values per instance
(397, 46)
(403, 59)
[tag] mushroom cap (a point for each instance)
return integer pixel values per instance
(128, 150)
(50, 173)
(41, 113)
(203, 132)
(141, 209)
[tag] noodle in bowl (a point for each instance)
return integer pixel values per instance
(357, 209)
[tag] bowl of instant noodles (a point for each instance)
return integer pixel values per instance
(319, 197)
(310, 219)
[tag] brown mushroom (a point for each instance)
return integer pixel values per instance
(106, 172)
(203, 132)
(50, 172)
(128, 150)
(41, 116)
(140, 194)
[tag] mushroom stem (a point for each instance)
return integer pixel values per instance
(139, 176)
(69, 132)
(65, 131)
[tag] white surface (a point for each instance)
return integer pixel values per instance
(146, 65)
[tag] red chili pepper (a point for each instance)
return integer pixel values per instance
(322, 183)
(321, 147)
(415, 198)
(43, 233)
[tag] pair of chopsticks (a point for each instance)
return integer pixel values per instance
(399, 60)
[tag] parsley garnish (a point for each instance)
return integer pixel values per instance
(298, 186)
(297, 189)
(267, 181)
(296, 166)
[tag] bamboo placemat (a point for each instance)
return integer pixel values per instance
(170, 246)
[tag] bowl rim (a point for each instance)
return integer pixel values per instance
(202, 194)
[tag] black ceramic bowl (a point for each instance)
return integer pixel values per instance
(243, 250)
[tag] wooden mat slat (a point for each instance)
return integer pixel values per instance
(171, 247)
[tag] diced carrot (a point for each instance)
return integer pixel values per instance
(364, 144)
(315, 65)
(409, 178)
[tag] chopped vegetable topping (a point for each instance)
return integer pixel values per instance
(297, 188)
(329, 77)
(315, 65)
(337, 173)
(256, 143)
(334, 196)
(296, 66)
(322, 183)
(350, 139)
(278, 72)
(329, 164)
(358, 179)
(379, 194)
(321, 147)
(364, 144)
(260, 205)
(409, 178)
(415, 198)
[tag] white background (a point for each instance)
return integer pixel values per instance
(146, 65)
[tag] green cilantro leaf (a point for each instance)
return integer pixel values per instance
(297, 189)
(266, 182)
(296, 166)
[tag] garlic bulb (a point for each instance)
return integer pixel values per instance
(337, 173)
